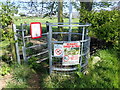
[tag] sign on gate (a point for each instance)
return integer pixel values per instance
(71, 53)
(35, 30)
(58, 50)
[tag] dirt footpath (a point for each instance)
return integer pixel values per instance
(4, 80)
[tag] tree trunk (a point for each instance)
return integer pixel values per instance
(87, 5)
(60, 16)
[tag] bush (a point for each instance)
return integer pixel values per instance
(105, 24)
(4, 68)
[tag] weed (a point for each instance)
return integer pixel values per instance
(22, 73)
(4, 68)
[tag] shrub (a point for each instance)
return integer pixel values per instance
(4, 68)
(105, 24)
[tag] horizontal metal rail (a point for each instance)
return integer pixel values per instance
(42, 60)
(37, 54)
(68, 41)
(29, 36)
(18, 30)
(67, 23)
(66, 33)
(29, 24)
(72, 25)
(36, 46)
(58, 23)
(64, 69)
(80, 55)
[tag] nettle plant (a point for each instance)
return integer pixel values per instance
(105, 24)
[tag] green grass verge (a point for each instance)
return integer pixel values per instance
(102, 73)
(28, 20)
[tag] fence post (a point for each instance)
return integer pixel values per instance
(16, 44)
(23, 48)
(50, 48)
(83, 34)
(47, 26)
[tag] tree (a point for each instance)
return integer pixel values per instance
(7, 11)
(86, 5)
(60, 14)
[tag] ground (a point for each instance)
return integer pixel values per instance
(33, 82)
(4, 80)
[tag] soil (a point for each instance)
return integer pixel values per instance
(33, 81)
(4, 80)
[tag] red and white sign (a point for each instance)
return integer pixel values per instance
(58, 50)
(35, 30)
(71, 53)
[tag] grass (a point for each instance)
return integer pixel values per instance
(19, 20)
(102, 74)
(21, 75)
(28, 20)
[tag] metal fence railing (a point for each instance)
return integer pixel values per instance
(44, 48)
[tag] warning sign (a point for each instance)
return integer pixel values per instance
(71, 53)
(58, 50)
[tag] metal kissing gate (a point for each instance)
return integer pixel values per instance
(64, 45)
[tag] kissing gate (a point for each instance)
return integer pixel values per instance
(65, 45)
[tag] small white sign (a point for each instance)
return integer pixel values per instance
(36, 30)
(71, 53)
(58, 50)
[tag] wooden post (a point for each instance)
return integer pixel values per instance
(12, 45)
(17, 55)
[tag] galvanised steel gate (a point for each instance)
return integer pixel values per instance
(68, 32)
(29, 48)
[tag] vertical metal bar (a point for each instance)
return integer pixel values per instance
(23, 48)
(50, 48)
(83, 34)
(70, 20)
(24, 54)
(23, 34)
(16, 44)
(89, 46)
(47, 26)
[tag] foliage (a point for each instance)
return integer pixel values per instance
(4, 69)
(103, 74)
(105, 24)
(78, 72)
(7, 11)
(21, 72)
(7, 39)
(32, 63)
(17, 85)
(22, 75)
